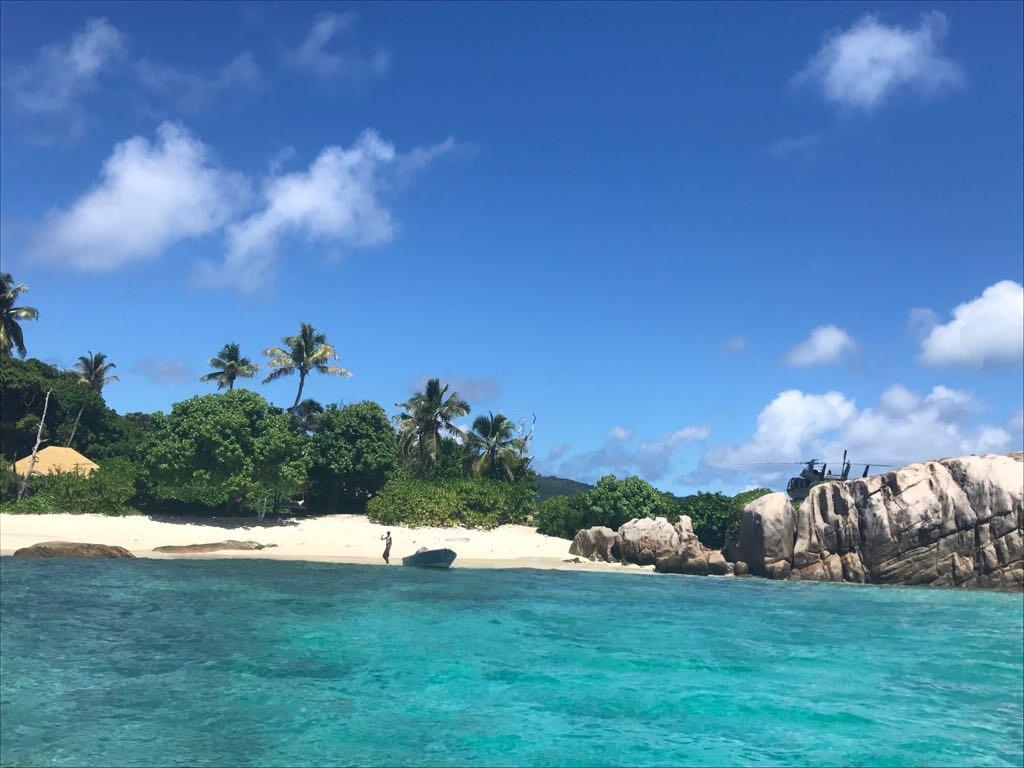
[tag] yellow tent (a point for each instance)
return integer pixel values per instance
(54, 459)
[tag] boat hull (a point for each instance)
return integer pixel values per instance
(430, 558)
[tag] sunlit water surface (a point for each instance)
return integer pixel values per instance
(268, 663)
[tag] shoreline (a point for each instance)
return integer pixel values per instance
(342, 538)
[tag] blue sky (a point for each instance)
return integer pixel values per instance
(688, 238)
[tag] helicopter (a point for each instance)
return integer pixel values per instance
(799, 487)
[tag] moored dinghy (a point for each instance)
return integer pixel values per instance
(430, 558)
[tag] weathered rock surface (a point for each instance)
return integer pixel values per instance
(597, 543)
(212, 547)
(644, 539)
(953, 522)
(71, 549)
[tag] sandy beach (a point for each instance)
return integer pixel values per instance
(331, 538)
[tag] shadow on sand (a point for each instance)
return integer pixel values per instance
(229, 521)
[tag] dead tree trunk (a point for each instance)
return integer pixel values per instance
(35, 449)
(75, 428)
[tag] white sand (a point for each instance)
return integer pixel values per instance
(332, 538)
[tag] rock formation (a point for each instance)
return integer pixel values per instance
(213, 547)
(71, 549)
(597, 543)
(953, 522)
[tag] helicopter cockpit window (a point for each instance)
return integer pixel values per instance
(797, 482)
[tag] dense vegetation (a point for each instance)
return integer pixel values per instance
(613, 502)
(236, 453)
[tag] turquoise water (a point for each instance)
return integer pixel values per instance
(256, 662)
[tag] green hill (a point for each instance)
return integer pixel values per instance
(548, 486)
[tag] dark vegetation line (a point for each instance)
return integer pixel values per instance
(234, 452)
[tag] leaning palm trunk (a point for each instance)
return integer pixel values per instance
(35, 450)
(75, 428)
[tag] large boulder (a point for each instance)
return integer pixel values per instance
(212, 547)
(643, 539)
(597, 543)
(953, 522)
(767, 532)
(71, 549)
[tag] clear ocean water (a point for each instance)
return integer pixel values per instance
(264, 663)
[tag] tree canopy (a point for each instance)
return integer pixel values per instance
(355, 452)
(233, 449)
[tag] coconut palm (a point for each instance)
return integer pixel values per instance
(500, 451)
(93, 372)
(11, 336)
(230, 365)
(304, 353)
(425, 417)
(307, 414)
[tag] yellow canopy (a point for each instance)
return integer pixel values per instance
(55, 459)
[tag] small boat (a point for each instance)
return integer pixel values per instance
(430, 558)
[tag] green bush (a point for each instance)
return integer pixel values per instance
(355, 451)
(474, 502)
(715, 516)
(106, 491)
(611, 503)
(231, 449)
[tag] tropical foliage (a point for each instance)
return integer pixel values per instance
(11, 335)
(611, 503)
(474, 502)
(500, 452)
(233, 450)
(304, 353)
(228, 366)
(355, 452)
(108, 490)
(93, 372)
(426, 419)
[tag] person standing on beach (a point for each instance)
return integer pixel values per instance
(386, 538)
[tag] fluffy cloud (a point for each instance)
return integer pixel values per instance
(54, 84)
(986, 331)
(149, 196)
(337, 201)
(826, 344)
(904, 426)
(315, 56)
(152, 195)
(861, 66)
(164, 371)
(192, 91)
(621, 455)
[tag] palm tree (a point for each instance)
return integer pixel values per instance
(307, 414)
(500, 451)
(230, 365)
(92, 372)
(11, 336)
(425, 417)
(305, 353)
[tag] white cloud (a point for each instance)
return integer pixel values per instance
(192, 91)
(904, 427)
(149, 197)
(54, 84)
(336, 201)
(861, 66)
(826, 344)
(650, 459)
(315, 56)
(986, 331)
